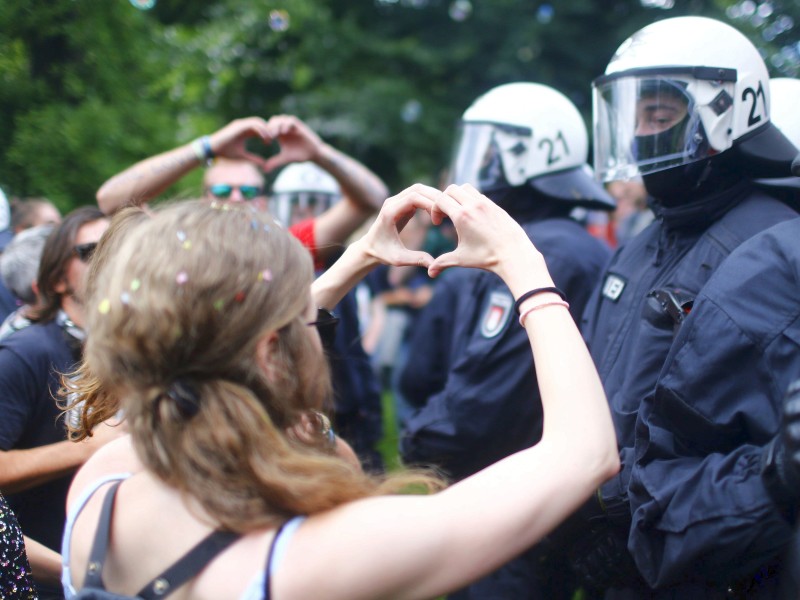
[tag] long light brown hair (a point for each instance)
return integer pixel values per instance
(175, 321)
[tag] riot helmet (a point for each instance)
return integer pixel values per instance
(784, 93)
(526, 134)
(683, 91)
(302, 191)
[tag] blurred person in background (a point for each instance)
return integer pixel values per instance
(784, 93)
(19, 267)
(632, 214)
(16, 216)
(32, 212)
(36, 460)
(235, 174)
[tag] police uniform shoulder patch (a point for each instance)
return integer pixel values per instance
(613, 286)
(496, 314)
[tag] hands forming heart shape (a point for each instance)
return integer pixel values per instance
(487, 235)
(298, 143)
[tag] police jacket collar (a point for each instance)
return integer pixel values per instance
(704, 211)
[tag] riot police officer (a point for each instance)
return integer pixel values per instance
(685, 104)
(524, 145)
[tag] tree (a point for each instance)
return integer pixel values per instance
(87, 88)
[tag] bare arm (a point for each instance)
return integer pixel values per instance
(45, 563)
(439, 543)
(147, 179)
(23, 469)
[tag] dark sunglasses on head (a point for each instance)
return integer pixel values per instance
(84, 251)
(326, 327)
(224, 190)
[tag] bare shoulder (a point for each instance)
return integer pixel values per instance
(117, 456)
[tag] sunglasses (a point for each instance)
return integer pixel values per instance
(326, 327)
(84, 252)
(224, 190)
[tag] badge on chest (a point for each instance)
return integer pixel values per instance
(613, 287)
(496, 314)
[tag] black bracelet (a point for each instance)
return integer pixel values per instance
(535, 291)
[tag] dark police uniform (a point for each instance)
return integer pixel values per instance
(630, 332)
(358, 416)
(699, 501)
(471, 371)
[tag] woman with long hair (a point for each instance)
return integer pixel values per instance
(204, 324)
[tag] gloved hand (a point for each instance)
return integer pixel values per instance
(600, 557)
(781, 459)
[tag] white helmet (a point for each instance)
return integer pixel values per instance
(302, 190)
(679, 91)
(5, 211)
(785, 93)
(526, 133)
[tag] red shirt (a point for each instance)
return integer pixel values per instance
(304, 232)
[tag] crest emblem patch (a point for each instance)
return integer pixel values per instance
(496, 314)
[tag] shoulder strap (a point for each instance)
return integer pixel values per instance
(175, 576)
(270, 554)
(189, 565)
(94, 570)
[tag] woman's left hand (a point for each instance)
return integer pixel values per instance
(382, 242)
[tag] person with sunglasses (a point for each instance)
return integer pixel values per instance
(236, 174)
(36, 460)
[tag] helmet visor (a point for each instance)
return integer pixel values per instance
(647, 123)
(291, 208)
(481, 150)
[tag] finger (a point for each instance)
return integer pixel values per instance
(408, 201)
(255, 159)
(444, 261)
(412, 258)
(448, 205)
(273, 162)
(464, 194)
(437, 215)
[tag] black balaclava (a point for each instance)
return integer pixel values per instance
(692, 182)
(525, 203)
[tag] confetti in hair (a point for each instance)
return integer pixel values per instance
(219, 304)
(265, 275)
(104, 307)
(181, 235)
(181, 278)
(240, 296)
(125, 298)
(135, 285)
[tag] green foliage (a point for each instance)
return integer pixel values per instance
(87, 88)
(79, 97)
